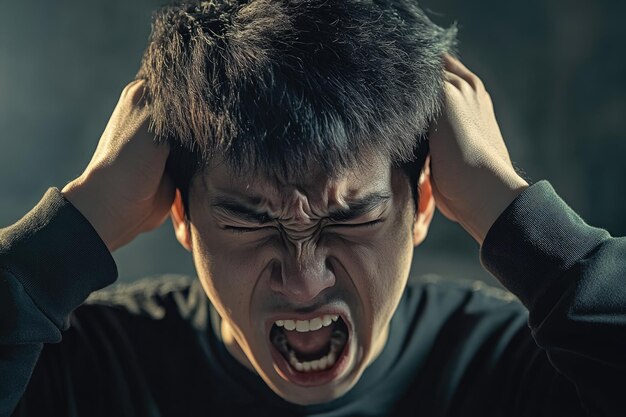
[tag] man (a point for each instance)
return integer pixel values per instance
(293, 162)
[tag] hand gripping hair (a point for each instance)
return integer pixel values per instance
(278, 87)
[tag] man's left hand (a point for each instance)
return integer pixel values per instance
(472, 176)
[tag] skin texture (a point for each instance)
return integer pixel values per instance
(473, 176)
(123, 190)
(303, 261)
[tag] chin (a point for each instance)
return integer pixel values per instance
(313, 394)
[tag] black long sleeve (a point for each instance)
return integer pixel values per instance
(50, 261)
(572, 279)
(454, 348)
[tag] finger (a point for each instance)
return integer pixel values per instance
(458, 82)
(128, 88)
(456, 67)
(135, 93)
(140, 98)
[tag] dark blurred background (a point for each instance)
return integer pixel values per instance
(555, 69)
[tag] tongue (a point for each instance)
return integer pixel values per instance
(309, 342)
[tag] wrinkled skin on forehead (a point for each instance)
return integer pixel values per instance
(299, 211)
(303, 258)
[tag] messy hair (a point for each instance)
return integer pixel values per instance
(279, 87)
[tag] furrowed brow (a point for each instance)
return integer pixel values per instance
(359, 207)
(237, 209)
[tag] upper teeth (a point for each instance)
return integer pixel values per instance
(308, 325)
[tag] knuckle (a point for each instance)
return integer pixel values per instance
(487, 98)
(467, 88)
(133, 90)
(476, 82)
(127, 89)
(454, 85)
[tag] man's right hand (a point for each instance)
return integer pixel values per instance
(124, 190)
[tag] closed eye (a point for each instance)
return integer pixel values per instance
(239, 230)
(352, 225)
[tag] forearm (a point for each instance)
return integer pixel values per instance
(570, 276)
(50, 261)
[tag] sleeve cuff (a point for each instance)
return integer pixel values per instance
(534, 241)
(57, 256)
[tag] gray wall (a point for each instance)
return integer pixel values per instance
(555, 70)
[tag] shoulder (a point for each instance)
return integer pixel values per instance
(133, 335)
(161, 298)
(467, 296)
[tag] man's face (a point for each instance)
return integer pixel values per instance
(330, 257)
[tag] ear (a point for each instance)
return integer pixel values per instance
(425, 206)
(177, 213)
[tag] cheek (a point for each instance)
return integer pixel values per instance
(377, 270)
(388, 263)
(395, 251)
(393, 261)
(228, 272)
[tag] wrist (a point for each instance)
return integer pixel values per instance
(85, 199)
(495, 196)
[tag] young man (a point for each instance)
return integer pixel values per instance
(293, 162)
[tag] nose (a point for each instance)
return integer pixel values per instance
(302, 274)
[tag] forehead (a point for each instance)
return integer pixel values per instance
(317, 187)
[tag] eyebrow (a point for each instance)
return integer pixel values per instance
(359, 207)
(234, 207)
(356, 208)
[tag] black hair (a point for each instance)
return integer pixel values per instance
(279, 87)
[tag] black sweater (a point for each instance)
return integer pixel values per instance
(454, 349)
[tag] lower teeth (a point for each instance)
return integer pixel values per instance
(317, 365)
(338, 340)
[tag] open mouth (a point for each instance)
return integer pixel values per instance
(311, 347)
